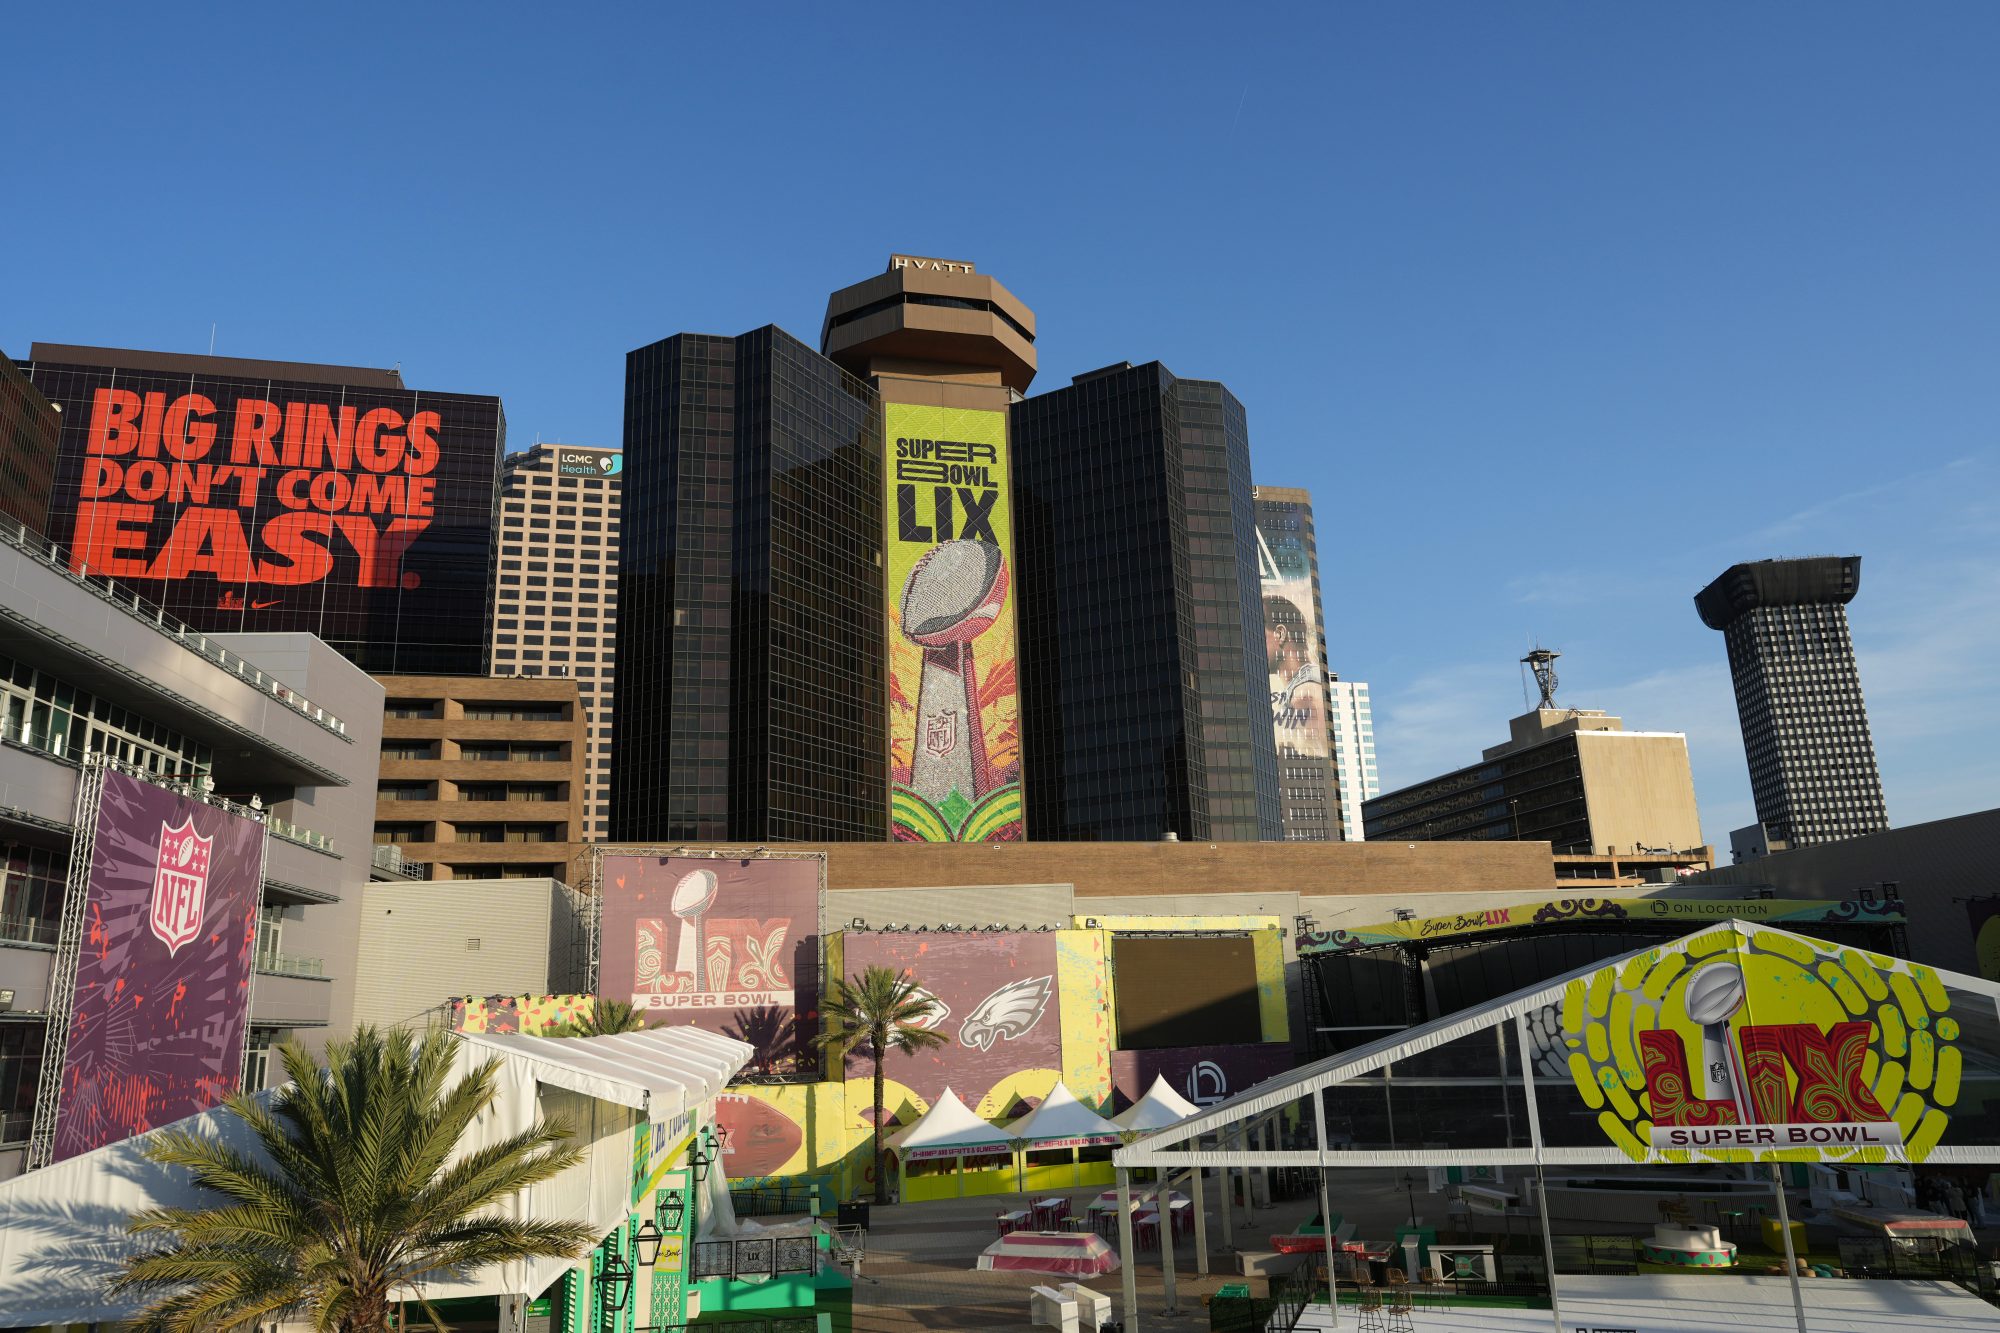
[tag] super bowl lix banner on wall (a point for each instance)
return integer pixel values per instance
(954, 709)
(1742, 1043)
(728, 943)
(164, 938)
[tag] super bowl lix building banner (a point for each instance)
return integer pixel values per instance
(1744, 1043)
(151, 988)
(954, 709)
(728, 942)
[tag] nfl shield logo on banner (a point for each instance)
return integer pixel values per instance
(180, 884)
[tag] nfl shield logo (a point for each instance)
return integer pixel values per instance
(180, 884)
(941, 733)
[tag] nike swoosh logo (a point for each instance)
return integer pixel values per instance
(259, 606)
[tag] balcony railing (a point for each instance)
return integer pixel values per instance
(22, 929)
(14, 1127)
(55, 557)
(305, 837)
(289, 964)
(388, 856)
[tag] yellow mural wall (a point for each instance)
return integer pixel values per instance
(1083, 977)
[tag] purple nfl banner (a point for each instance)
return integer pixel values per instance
(163, 978)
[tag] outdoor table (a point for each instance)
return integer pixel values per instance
(1051, 1211)
(1146, 1229)
(1014, 1221)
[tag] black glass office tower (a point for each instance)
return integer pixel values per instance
(1143, 670)
(1798, 695)
(750, 625)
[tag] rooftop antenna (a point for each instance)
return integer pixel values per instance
(1542, 661)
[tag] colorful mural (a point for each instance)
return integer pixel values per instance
(1575, 911)
(533, 1015)
(728, 945)
(998, 1005)
(1742, 1044)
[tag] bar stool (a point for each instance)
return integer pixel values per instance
(1371, 1311)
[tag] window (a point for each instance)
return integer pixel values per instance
(413, 708)
(405, 791)
(409, 749)
(514, 712)
(20, 1076)
(402, 833)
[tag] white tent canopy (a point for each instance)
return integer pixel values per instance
(950, 1129)
(63, 1228)
(1061, 1121)
(1160, 1107)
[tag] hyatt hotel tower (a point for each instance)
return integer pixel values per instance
(1798, 696)
(872, 592)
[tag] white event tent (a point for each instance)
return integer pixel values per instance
(949, 1129)
(1160, 1107)
(1061, 1124)
(63, 1228)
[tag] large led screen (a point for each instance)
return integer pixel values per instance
(954, 710)
(722, 944)
(163, 979)
(1291, 642)
(361, 514)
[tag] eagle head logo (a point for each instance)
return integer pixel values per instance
(1007, 1013)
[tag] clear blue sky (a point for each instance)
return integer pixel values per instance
(1558, 308)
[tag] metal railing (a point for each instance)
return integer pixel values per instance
(289, 965)
(24, 929)
(305, 837)
(388, 856)
(759, 1258)
(774, 1200)
(15, 1127)
(56, 558)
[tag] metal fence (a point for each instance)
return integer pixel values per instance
(759, 1258)
(1877, 1257)
(774, 1200)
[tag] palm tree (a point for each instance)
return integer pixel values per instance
(347, 1194)
(607, 1018)
(883, 1011)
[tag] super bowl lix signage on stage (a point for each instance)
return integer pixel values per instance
(162, 939)
(728, 943)
(954, 711)
(1758, 1043)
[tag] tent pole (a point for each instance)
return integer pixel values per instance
(1163, 1224)
(1535, 1140)
(1548, 1243)
(1325, 1205)
(1791, 1259)
(1128, 1273)
(1199, 1207)
(1228, 1204)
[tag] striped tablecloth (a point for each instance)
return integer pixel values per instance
(1071, 1253)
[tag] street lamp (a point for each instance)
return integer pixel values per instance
(646, 1243)
(614, 1282)
(1410, 1191)
(701, 1155)
(669, 1208)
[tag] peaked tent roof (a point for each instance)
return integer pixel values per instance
(62, 1228)
(949, 1124)
(1181, 1144)
(1062, 1116)
(1160, 1107)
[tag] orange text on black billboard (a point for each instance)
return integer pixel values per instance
(327, 475)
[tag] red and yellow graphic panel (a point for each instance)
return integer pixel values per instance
(1755, 1044)
(954, 709)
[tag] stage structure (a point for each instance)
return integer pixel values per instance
(1739, 1043)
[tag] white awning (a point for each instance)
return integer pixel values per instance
(1160, 1107)
(661, 1071)
(1061, 1121)
(951, 1129)
(63, 1229)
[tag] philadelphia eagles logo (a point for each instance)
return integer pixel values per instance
(1007, 1013)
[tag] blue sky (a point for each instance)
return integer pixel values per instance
(1558, 309)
